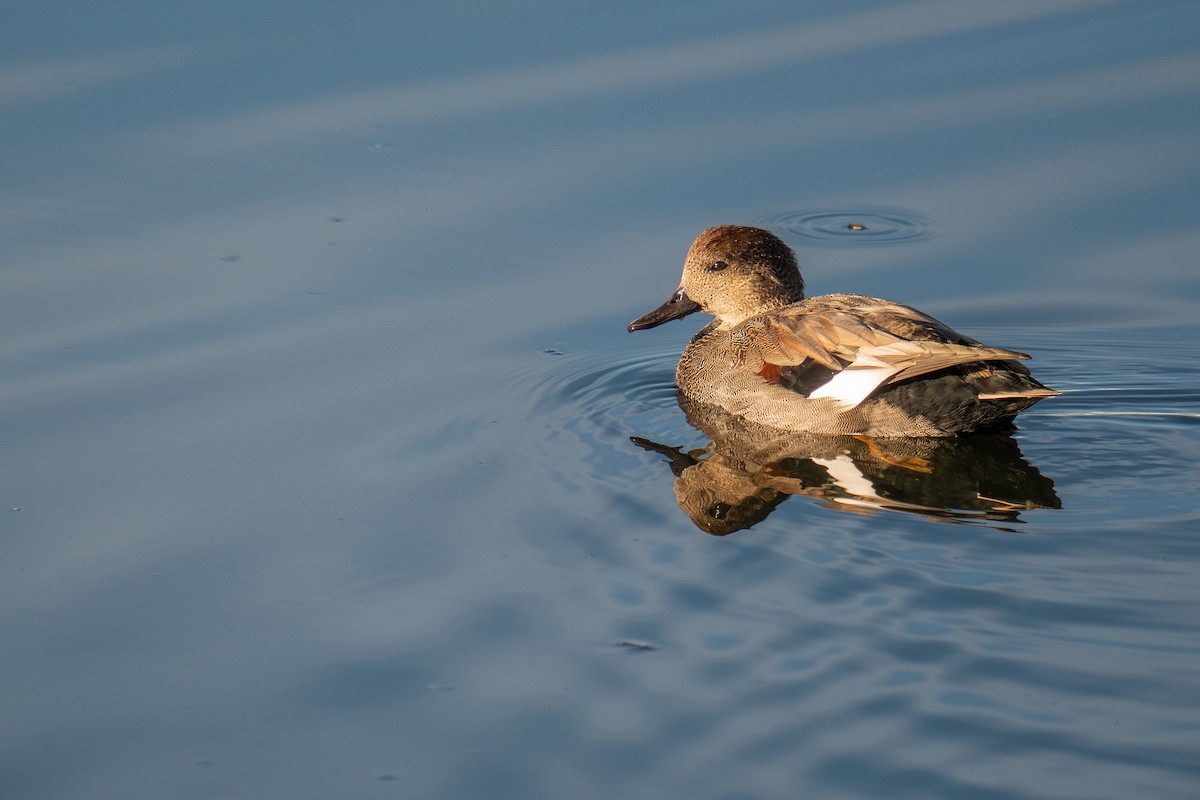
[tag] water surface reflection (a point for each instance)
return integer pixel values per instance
(747, 470)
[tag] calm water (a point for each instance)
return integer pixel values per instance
(329, 469)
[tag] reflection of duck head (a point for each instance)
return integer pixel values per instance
(749, 469)
(720, 495)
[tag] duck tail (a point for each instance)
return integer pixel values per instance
(1032, 394)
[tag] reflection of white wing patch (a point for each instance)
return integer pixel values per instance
(861, 377)
(846, 474)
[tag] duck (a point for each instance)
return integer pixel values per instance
(836, 364)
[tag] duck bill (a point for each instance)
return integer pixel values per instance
(679, 306)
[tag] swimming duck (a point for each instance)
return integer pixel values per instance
(834, 364)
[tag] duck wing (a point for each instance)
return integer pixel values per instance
(895, 318)
(860, 343)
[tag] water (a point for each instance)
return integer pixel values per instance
(329, 469)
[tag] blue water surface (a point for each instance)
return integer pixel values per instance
(318, 413)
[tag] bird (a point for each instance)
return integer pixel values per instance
(836, 364)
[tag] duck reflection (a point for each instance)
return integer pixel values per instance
(747, 470)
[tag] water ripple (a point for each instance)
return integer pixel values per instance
(590, 400)
(601, 386)
(854, 226)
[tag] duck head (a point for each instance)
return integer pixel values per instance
(732, 272)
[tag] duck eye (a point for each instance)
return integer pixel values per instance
(717, 266)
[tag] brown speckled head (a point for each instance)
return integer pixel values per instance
(732, 272)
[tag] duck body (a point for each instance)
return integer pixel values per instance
(836, 364)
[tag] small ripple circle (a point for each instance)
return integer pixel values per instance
(873, 226)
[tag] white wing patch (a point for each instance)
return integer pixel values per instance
(859, 378)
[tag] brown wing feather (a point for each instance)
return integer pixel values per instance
(898, 319)
(921, 358)
(784, 342)
(829, 337)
